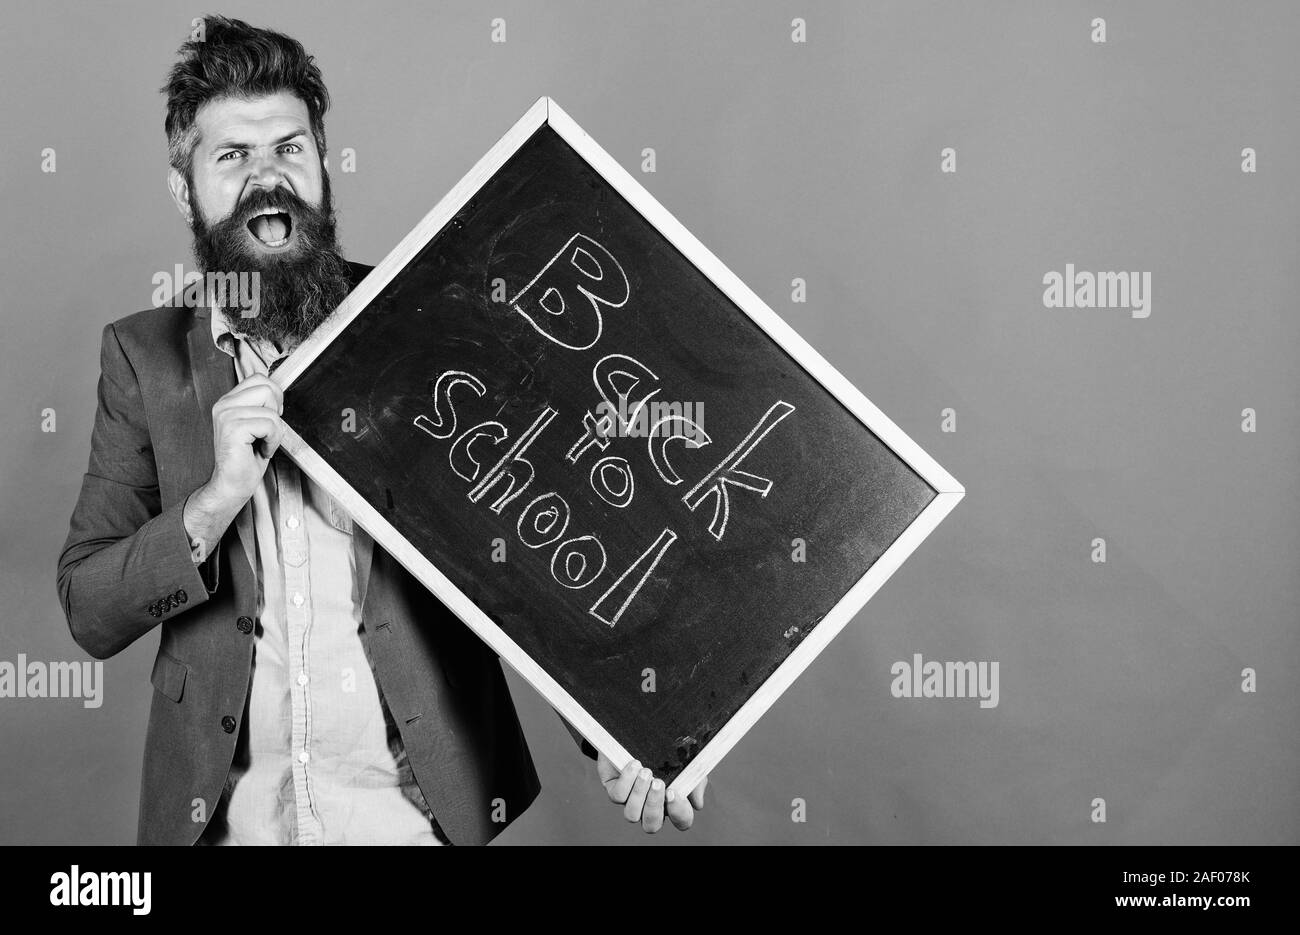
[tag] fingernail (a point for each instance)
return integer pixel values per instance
(671, 796)
(645, 774)
(657, 785)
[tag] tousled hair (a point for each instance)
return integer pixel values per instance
(229, 58)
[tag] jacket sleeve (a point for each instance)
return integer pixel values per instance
(126, 565)
(583, 744)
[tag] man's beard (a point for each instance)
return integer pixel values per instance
(299, 288)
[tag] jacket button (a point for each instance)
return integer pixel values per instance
(228, 724)
(245, 624)
(182, 595)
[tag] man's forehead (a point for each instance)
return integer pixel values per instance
(265, 114)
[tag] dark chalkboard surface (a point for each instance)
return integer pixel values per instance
(625, 477)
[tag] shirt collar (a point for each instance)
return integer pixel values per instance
(227, 339)
(222, 336)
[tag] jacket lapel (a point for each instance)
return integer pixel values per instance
(363, 549)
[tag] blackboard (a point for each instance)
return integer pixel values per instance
(604, 453)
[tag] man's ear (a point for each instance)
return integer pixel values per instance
(181, 194)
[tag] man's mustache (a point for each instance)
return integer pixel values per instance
(229, 240)
(262, 199)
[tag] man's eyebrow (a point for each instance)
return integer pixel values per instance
(235, 144)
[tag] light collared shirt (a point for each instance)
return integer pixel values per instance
(319, 759)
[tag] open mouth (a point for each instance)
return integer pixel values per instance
(271, 227)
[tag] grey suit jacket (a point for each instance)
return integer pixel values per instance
(126, 568)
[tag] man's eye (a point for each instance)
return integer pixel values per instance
(293, 148)
(225, 156)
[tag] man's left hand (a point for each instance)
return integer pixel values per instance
(644, 797)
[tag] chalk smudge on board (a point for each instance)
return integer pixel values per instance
(688, 746)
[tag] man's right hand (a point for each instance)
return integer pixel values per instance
(243, 421)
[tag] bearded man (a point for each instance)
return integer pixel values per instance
(308, 690)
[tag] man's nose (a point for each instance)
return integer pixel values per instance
(265, 174)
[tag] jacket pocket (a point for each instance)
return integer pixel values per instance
(169, 675)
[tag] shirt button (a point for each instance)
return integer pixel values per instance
(297, 599)
(245, 624)
(228, 724)
(304, 757)
(302, 678)
(292, 522)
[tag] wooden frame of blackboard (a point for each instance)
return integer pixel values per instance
(948, 490)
